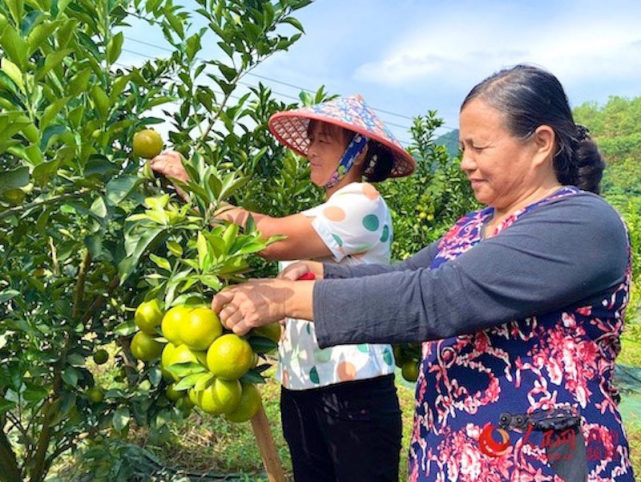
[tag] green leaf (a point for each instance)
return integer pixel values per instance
(175, 22)
(261, 344)
(295, 23)
(7, 294)
(120, 187)
(35, 394)
(192, 46)
(93, 243)
(13, 71)
(212, 281)
(252, 376)
(188, 381)
(228, 72)
(203, 250)
(15, 178)
(125, 329)
(70, 376)
(42, 172)
(101, 101)
(16, 7)
(79, 82)
(155, 376)
(52, 61)
(98, 207)
(52, 111)
(31, 20)
(174, 248)
(120, 419)
(6, 405)
(49, 133)
(14, 46)
(115, 47)
(40, 34)
(136, 246)
(182, 370)
(160, 262)
(204, 381)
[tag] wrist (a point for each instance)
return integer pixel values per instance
(300, 304)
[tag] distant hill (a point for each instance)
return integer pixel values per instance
(450, 141)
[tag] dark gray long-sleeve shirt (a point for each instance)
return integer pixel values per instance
(561, 254)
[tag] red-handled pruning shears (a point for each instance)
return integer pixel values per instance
(309, 276)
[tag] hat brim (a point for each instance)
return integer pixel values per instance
(290, 128)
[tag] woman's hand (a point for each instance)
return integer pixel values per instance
(233, 214)
(295, 270)
(263, 301)
(169, 164)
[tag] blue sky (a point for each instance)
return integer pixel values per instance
(410, 56)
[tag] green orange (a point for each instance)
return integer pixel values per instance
(144, 347)
(147, 143)
(200, 328)
(173, 395)
(222, 396)
(230, 357)
(170, 325)
(271, 331)
(410, 370)
(101, 356)
(148, 316)
(249, 404)
(95, 395)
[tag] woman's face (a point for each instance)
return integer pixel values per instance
(499, 166)
(326, 147)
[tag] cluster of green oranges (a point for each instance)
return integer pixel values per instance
(408, 359)
(193, 336)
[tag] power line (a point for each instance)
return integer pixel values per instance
(270, 79)
(281, 94)
(235, 97)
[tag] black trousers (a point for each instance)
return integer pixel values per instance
(346, 432)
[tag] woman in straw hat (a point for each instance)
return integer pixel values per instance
(340, 412)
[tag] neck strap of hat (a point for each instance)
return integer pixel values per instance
(354, 149)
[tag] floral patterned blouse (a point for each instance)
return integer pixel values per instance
(563, 359)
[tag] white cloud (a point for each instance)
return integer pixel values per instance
(460, 49)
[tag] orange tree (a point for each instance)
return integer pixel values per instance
(427, 203)
(74, 258)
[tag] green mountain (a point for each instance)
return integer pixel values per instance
(450, 141)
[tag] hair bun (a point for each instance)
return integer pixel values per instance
(582, 132)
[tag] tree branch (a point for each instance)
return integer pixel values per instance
(44, 202)
(9, 471)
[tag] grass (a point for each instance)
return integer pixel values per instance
(210, 444)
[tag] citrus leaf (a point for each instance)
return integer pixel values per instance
(115, 47)
(188, 382)
(13, 71)
(120, 419)
(204, 381)
(6, 295)
(160, 262)
(15, 178)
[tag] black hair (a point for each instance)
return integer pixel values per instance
(381, 165)
(379, 159)
(530, 97)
